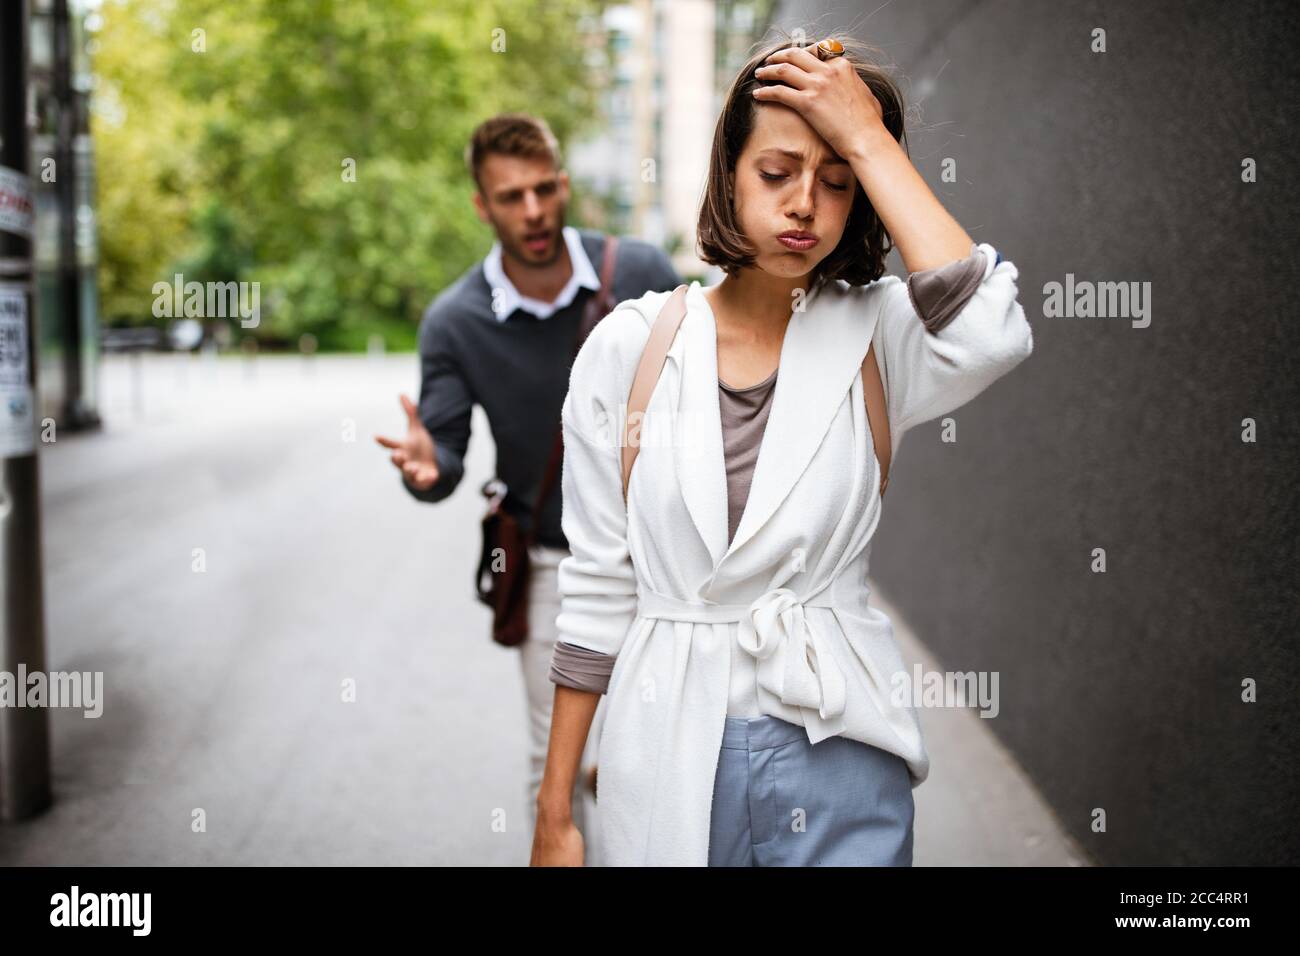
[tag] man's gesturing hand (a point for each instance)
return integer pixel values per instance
(413, 454)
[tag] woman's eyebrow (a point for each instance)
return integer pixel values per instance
(832, 160)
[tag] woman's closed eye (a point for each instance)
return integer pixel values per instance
(777, 177)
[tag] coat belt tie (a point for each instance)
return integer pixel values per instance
(806, 676)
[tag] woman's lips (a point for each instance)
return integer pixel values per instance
(797, 242)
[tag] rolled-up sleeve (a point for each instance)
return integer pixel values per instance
(580, 668)
(596, 580)
(932, 368)
(939, 294)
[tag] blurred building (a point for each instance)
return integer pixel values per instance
(62, 173)
(669, 63)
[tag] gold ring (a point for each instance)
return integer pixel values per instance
(829, 48)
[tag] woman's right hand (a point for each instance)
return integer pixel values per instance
(556, 838)
(557, 842)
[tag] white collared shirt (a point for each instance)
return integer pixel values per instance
(506, 298)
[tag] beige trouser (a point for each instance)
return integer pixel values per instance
(535, 657)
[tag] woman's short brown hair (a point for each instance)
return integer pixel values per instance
(859, 258)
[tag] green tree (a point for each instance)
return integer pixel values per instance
(322, 142)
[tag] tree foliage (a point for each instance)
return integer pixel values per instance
(227, 135)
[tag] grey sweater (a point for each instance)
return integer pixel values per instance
(518, 371)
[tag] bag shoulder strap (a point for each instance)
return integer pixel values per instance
(653, 357)
(598, 307)
(605, 297)
(877, 416)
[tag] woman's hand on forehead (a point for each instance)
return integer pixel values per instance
(829, 95)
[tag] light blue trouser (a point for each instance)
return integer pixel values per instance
(779, 800)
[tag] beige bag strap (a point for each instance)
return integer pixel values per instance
(655, 355)
(653, 358)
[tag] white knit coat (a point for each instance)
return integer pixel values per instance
(657, 584)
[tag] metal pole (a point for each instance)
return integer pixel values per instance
(24, 731)
(71, 124)
(65, 161)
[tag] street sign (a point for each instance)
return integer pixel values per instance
(17, 411)
(17, 210)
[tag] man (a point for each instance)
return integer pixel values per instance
(502, 336)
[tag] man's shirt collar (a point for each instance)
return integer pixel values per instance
(506, 298)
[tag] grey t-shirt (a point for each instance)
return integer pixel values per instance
(938, 295)
(744, 416)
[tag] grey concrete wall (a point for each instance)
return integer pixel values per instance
(1119, 690)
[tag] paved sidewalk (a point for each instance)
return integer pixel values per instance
(977, 807)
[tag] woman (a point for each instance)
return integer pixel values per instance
(752, 716)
